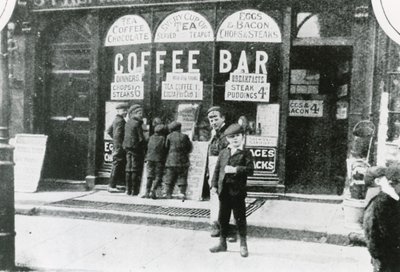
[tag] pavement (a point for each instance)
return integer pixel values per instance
(282, 216)
(64, 244)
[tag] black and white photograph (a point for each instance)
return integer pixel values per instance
(200, 135)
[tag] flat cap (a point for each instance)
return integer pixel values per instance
(135, 108)
(122, 106)
(215, 108)
(393, 172)
(174, 126)
(233, 129)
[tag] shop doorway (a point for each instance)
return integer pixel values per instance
(318, 121)
(67, 100)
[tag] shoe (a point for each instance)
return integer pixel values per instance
(182, 197)
(153, 195)
(244, 252)
(113, 190)
(215, 230)
(232, 239)
(221, 247)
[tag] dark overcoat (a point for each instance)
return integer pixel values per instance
(156, 148)
(218, 142)
(134, 139)
(178, 146)
(243, 161)
(382, 229)
(117, 132)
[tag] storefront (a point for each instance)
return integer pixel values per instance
(291, 68)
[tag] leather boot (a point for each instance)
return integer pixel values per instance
(221, 247)
(215, 230)
(128, 184)
(244, 252)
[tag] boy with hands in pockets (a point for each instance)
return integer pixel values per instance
(233, 166)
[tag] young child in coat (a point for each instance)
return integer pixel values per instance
(178, 146)
(155, 157)
(234, 164)
(382, 221)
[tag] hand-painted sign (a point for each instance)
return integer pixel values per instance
(184, 26)
(127, 87)
(249, 25)
(6, 10)
(254, 140)
(247, 87)
(264, 159)
(127, 30)
(306, 108)
(181, 88)
(108, 148)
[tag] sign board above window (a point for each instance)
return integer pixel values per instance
(184, 26)
(249, 25)
(127, 30)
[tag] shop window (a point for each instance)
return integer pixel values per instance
(320, 24)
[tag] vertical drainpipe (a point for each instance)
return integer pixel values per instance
(7, 220)
(362, 74)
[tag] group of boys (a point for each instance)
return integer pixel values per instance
(131, 150)
(229, 165)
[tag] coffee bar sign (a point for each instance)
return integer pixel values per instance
(39, 5)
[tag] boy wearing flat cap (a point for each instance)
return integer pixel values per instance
(233, 166)
(134, 145)
(116, 132)
(178, 147)
(382, 224)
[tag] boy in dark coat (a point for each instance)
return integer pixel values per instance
(229, 181)
(155, 157)
(116, 132)
(382, 224)
(178, 146)
(134, 145)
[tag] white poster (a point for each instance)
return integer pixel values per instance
(306, 108)
(127, 30)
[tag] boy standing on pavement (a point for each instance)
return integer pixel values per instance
(229, 181)
(155, 157)
(134, 145)
(116, 132)
(217, 143)
(178, 147)
(382, 224)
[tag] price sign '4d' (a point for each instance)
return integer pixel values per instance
(6, 10)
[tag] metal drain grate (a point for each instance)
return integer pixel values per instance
(151, 209)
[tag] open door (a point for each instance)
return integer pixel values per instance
(317, 122)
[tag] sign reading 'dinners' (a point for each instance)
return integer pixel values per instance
(306, 108)
(184, 26)
(127, 86)
(127, 30)
(249, 25)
